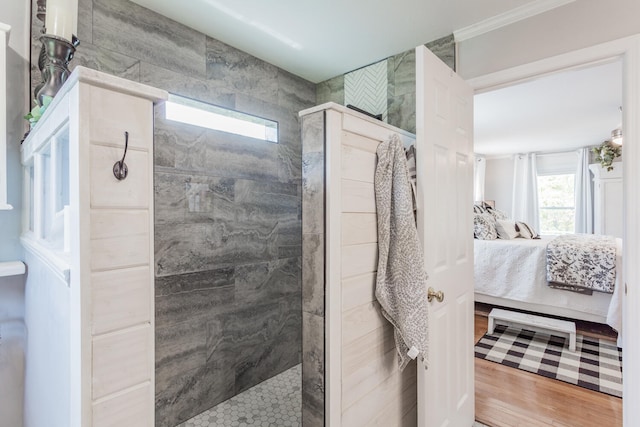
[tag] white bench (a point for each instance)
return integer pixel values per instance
(534, 323)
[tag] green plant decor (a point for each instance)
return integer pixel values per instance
(36, 112)
(605, 153)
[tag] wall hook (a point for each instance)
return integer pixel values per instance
(120, 169)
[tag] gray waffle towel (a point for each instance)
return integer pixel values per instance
(401, 280)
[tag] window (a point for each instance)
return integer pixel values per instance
(556, 203)
(198, 113)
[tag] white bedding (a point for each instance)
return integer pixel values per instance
(513, 273)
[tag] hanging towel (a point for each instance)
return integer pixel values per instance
(401, 280)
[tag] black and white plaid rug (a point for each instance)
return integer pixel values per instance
(596, 364)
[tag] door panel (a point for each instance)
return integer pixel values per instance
(444, 149)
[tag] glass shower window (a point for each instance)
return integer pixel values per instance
(210, 116)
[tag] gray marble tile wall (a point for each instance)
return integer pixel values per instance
(401, 87)
(313, 288)
(228, 221)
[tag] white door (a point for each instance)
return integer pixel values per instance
(444, 150)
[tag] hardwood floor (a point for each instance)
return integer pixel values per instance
(509, 397)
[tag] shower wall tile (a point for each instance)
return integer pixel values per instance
(179, 146)
(274, 332)
(331, 90)
(313, 280)
(228, 221)
(125, 27)
(295, 93)
(240, 157)
(402, 111)
(180, 397)
(212, 92)
(193, 305)
(106, 61)
(289, 162)
(85, 21)
(445, 49)
(256, 283)
(313, 274)
(240, 71)
(185, 283)
(313, 385)
(403, 73)
(181, 248)
(180, 348)
(313, 192)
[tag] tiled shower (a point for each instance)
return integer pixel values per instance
(228, 268)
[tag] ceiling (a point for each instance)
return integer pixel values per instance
(318, 40)
(563, 111)
(321, 39)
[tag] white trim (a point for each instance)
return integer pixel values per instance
(507, 18)
(11, 268)
(333, 269)
(629, 50)
(631, 230)
(4, 41)
(58, 265)
(587, 57)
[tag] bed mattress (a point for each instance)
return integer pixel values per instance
(513, 273)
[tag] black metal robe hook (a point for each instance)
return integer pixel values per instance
(120, 169)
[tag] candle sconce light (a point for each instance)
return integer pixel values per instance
(57, 50)
(54, 64)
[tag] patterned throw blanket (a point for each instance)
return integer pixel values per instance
(401, 279)
(582, 263)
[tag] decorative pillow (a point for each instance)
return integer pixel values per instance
(506, 229)
(479, 209)
(526, 230)
(497, 214)
(484, 227)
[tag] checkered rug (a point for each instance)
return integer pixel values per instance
(596, 364)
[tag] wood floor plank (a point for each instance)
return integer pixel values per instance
(509, 397)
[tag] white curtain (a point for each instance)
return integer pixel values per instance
(583, 194)
(479, 170)
(525, 190)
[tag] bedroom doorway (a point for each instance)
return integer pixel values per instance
(626, 52)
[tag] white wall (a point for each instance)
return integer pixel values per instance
(577, 25)
(498, 182)
(15, 13)
(48, 348)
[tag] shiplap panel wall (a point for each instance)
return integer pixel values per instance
(364, 385)
(120, 239)
(374, 391)
(109, 258)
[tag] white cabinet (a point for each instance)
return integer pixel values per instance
(607, 199)
(89, 239)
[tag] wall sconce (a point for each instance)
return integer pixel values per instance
(58, 45)
(616, 136)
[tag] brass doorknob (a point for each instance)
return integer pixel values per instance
(431, 294)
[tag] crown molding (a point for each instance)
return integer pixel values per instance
(518, 14)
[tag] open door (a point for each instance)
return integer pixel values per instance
(444, 149)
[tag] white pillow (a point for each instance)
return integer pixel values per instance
(506, 229)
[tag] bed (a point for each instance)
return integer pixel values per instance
(512, 273)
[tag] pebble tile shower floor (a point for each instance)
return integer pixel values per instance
(275, 402)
